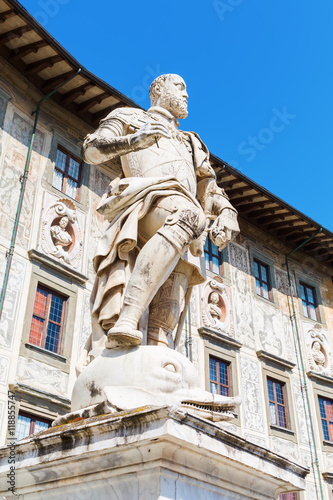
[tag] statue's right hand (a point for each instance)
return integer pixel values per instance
(147, 135)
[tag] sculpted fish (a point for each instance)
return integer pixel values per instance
(148, 375)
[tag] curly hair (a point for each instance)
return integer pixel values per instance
(159, 80)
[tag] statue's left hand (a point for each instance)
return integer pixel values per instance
(225, 228)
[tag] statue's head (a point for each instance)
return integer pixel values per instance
(63, 222)
(316, 346)
(169, 92)
(214, 298)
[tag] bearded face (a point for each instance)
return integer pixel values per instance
(175, 104)
(171, 95)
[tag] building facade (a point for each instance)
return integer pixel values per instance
(261, 326)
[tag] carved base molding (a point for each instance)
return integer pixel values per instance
(319, 377)
(328, 476)
(148, 453)
(62, 268)
(40, 395)
(221, 337)
(272, 358)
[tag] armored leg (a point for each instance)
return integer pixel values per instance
(177, 222)
(167, 305)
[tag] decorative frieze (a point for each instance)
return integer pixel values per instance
(285, 447)
(42, 376)
(251, 395)
(4, 366)
(12, 300)
(15, 154)
(302, 431)
(274, 331)
(243, 309)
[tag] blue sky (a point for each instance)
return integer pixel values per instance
(259, 76)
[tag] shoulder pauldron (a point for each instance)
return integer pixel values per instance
(129, 116)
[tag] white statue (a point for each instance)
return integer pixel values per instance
(61, 238)
(164, 205)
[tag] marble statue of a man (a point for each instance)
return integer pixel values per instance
(160, 212)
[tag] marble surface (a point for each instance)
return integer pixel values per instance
(150, 454)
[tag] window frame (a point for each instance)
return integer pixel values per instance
(50, 278)
(211, 255)
(330, 429)
(217, 347)
(33, 418)
(71, 144)
(65, 173)
(261, 280)
(277, 404)
(50, 293)
(272, 369)
(305, 286)
(228, 386)
(310, 282)
(267, 261)
(322, 388)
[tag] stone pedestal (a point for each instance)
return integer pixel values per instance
(149, 453)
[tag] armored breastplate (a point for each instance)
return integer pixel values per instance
(172, 157)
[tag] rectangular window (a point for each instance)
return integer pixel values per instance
(67, 174)
(219, 375)
(309, 302)
(213, 258)
(277, 403)
(288, 496)
(326, 415)
(261, 274)
(48, 319)
(29, 424)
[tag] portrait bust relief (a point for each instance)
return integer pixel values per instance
(319, 351)
(61, 239)
(61, 236)
(215, 306)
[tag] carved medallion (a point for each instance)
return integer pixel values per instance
(319, 352)
(61, 235)
(215, 306)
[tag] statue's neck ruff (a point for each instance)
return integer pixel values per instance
(163, 114)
